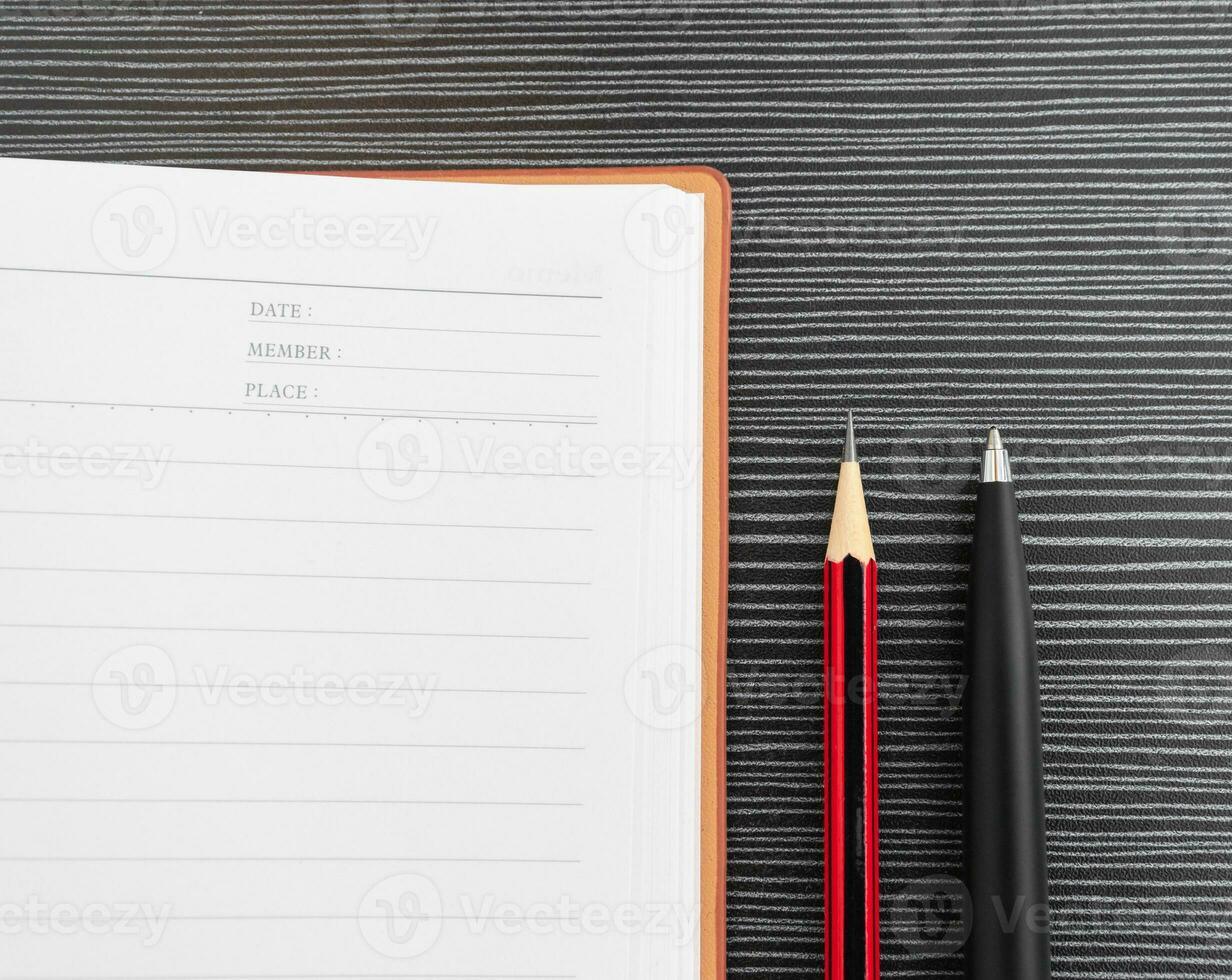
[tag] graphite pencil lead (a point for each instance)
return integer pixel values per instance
(849, 448)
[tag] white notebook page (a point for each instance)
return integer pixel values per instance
(349, 577)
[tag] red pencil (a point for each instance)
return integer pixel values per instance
(852, 885)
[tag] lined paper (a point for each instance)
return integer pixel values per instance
(349, 588)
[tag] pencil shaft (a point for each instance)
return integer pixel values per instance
(852, 887)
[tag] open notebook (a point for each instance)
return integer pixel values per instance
(363, 570)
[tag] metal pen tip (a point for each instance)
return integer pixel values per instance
(849, 448)
(995, 467)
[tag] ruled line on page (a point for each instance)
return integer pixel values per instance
(377, 326)
(269, 629)
(305, 976)
(282, 687)
(236, 801)
(418, 370)
(328, 410)
(305, 285)
(280, 859)
(216, 743)
(362, 413)
(477, 415)
(355, 917)
(297, 575)
(100, 459)
(294, 520)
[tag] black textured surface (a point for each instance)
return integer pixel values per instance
(947, 213)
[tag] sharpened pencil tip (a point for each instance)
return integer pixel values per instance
(994, 440)
(849, 448)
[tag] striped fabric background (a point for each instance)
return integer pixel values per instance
(948, 212)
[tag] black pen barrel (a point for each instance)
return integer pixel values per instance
(1006, 863)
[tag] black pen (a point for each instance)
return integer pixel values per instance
(1006, 857)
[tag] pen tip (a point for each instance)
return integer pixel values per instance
(994, 440)
(849, 448)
